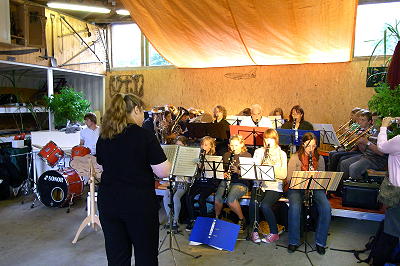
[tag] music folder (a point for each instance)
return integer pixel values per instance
(216, 233)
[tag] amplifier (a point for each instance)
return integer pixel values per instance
(360, 195)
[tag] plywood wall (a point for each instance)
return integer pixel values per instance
(327, 92)
(64, 48)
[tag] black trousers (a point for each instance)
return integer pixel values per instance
(129, 225)
(204, 191)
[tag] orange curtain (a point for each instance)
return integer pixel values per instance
(217, 33)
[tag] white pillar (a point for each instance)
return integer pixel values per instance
(50, 92)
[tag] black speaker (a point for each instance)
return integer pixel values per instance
(360, 195)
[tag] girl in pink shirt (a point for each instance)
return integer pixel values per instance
(391, 147)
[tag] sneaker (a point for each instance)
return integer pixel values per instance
(292, 248)
(189, 226)
(320, 249)
(175, 227)
(255, 237)
(242, 224)
(270, 238)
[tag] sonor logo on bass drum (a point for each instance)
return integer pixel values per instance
(54, 178)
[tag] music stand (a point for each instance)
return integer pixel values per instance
(276, 120)
(235, 119)
(251, 171)
(213, 167)
(183, 163)
(309, 181)
(328, 134)
(199, 130)
(252, 136)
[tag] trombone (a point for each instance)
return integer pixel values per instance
(350, 143)
(342, 127)
(346, 135)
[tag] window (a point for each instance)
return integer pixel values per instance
(155, 59)
(372, 20)
(126, 45)
(127, 48)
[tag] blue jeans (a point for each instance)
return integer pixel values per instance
(357, 166)
(324, 216)
(265, 201)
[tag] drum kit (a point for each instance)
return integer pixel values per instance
(58, 188)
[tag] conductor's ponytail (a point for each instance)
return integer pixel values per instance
(115, 119)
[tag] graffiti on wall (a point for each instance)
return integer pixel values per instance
(126, 84)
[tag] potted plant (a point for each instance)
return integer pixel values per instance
(68, 105)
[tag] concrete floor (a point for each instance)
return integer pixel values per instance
(42, 236)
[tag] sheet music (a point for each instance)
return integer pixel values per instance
(278, 119)
(250, 170)
(328, 134)
(233, 119)
(335, 180)
(170, 151)
(186, 161)
(209, 165)
(321, 180)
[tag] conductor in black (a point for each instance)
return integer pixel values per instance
(128, 208)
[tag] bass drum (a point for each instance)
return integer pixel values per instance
(55, 188)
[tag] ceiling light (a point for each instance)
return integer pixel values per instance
(123, 12)
(93, 9)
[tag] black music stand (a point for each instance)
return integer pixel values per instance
(327, 134)
(259, 173)
(199, 130)
(307, 182)
(171, 233)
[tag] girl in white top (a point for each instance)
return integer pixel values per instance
(270, 191)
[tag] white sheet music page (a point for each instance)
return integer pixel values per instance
(170, 151)
(247, 168)
(186, 161)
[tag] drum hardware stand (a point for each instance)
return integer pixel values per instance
(171, 233)
(92, 219)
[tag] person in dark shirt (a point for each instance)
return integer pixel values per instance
(220, 114)
(296, 120)
(235, 187)
(128, 206)
(202, 186)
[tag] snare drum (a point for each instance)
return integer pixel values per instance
(51, 154)
(79, 151)
(55, 188)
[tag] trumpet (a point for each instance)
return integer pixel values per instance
(348, 145)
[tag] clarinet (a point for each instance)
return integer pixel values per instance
(310, 162)
(200, 166)
(230, 165)
(309, 193)
(266, 154)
